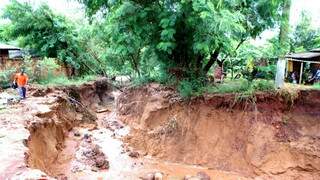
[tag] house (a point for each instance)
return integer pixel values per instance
(8, 52)
(298, 62)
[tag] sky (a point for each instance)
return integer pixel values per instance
(74, 10)
(69, 8)
(312, 7)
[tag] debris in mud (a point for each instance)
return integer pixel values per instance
(77, 133)
(200, 176)
(149, 176)
(89, 157)
(168, 128)
(41, 92)
(158, 176)
(152, 176)
(12, 101)
(62, 177)
(114, 125)
(203, 176)
(134, 154)
(103, 110)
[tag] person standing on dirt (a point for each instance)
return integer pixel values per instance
(21, 79)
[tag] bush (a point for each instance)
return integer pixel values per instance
(6, 77)
(191, 87)
(139, 81)
(161, 77)
(234, 86)
(185, 89)
(241, 86)
(316, 85)
(267, 72)
(65, 81)
(40, 70)
(262, 85)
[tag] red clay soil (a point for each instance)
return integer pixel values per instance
(270, 136)
(48, 133)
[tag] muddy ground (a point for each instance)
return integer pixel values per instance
(95, 131)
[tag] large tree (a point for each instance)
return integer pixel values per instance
(43, 31)
(304, 36)
(285, 26)
(189, 34)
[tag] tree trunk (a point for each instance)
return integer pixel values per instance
(135, 65)
(284, 26)
(199, 63)
(212, 59)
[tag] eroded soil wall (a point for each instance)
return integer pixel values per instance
(48, 132)
(269, 136)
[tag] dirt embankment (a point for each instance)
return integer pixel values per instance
(268, 136)
(91, 95)
(48, 131)
(74, 107)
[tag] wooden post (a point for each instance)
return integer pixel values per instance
(301, 71)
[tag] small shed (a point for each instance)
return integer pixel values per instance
(4, 52)
(297, 62)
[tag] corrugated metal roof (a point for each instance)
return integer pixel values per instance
(8, 47)
(304, 55)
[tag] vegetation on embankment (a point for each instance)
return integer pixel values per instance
(171, 42)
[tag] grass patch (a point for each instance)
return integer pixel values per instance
(65, 81)
(316, 85)
(242, 86)
(5, 77)
(191, 87)
(229, 86)
(162, 78)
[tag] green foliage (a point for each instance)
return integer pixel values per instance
(304, 36)
(252, 61)
(249, 95)
(229, 86)
(242, 87)
(284, 28)
(40, 69)
(316, 85)
(65, 81)
(191, 87)
(187, 34)
(6, 77)
(262, 85)
(39, 29)
(159, 77)
(146, 39)
(31, 69)
(267, 72)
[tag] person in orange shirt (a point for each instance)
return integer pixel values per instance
(21, 79)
